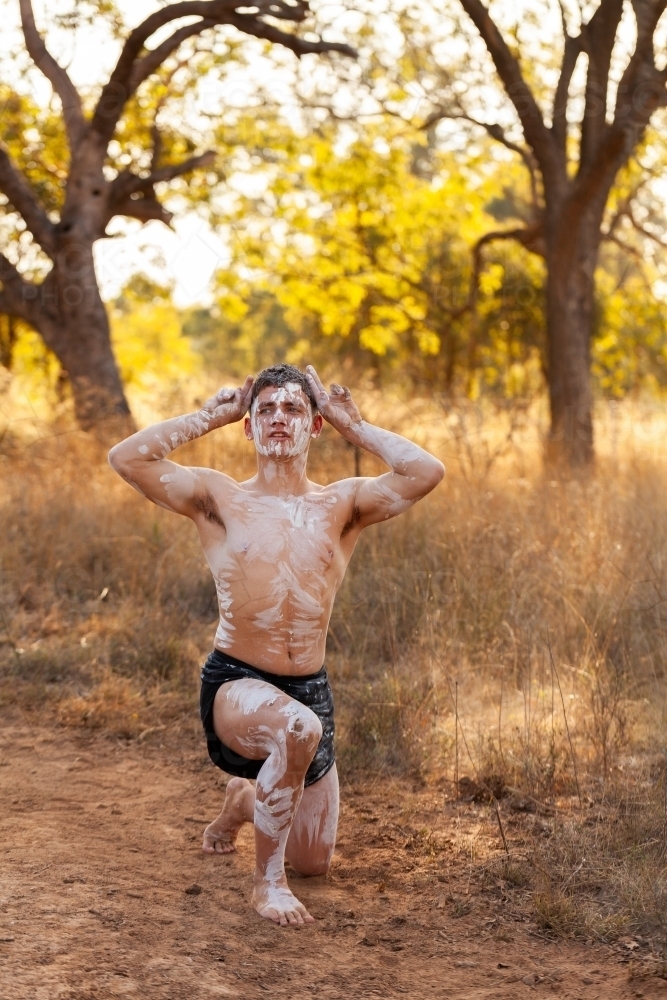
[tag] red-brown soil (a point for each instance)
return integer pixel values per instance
(105, 892)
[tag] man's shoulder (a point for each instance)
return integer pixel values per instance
(340, 487)
(213, 493)
(213, 479)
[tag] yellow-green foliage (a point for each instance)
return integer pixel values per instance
(360, 252)
(630, 348)
(359, 248)
(151, 351)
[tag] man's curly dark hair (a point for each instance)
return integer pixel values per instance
(278, 376)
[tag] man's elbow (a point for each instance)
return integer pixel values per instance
(117, 460)
(435, 474)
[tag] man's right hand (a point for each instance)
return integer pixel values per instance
(228, 405)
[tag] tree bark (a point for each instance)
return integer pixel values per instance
(570, 296)
(83, 347)
(573, 234)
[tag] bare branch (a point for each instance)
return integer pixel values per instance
(631, 251)
(55, 74)
(128, 183)
(173, 170)
(598, 38)
(637, 226)
(152, 61)
(144, 207)
(573, 46)
(135, 197)
(157, 145)
(531, 237)
(642, 87)
(21, 297)
(24, 200)
(497, 133)
(131, 70)
(252, 26)
(538, 136)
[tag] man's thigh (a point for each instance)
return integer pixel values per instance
(246, 710)
(251, 717)
(312, 839)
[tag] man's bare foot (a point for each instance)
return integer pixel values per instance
(220, 835)
(276, 902)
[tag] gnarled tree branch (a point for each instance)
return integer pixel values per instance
(131, 70)
(21, 297)
(497, 133)
(573, 46)
(152, 61)
(24, 200)
(299, 46)
(142, 206)
(531, 237)
(172, 170)
(536, 132)
(598, 37)
(135, 197)
(642, 86)
(55, 74)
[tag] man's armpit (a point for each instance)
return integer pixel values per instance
(352, 521)
(204, 503)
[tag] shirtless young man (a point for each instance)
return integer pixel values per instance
(278, 546)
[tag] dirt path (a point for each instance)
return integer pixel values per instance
(104, 892)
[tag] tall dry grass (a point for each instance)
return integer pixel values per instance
(504, 641)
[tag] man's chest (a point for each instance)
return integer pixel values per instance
(296, 535)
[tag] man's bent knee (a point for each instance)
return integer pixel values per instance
(309, 869)
(303, 732)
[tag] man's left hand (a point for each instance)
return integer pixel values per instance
(337, 406)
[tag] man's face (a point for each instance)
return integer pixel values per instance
(281, 421)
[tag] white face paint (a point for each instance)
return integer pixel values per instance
(282, 422)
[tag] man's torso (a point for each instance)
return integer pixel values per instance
(277, 563)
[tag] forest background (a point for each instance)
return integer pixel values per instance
(505, 642)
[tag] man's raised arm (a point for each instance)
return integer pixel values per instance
(414, 471)
(142, 458)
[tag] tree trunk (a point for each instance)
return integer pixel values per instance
(571, 257)
(76, 329)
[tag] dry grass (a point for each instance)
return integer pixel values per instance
(438, 643)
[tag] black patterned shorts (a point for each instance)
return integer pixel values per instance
(313, 691)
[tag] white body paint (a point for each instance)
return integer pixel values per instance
(277, 575)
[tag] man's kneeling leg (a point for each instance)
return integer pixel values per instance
(255, 719)
(312, 839)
